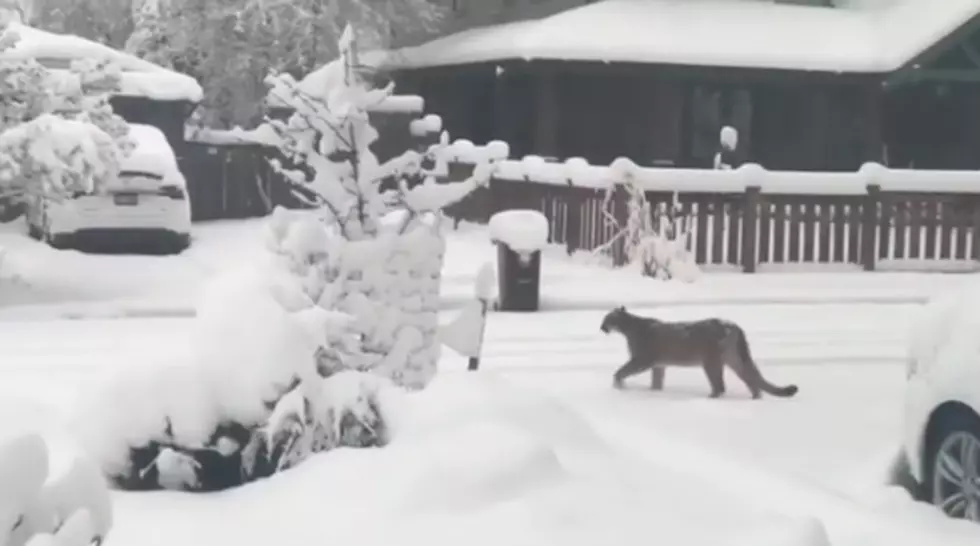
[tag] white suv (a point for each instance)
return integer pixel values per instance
(942, 405)
(147, 202)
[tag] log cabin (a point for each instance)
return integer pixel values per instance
(808, 84)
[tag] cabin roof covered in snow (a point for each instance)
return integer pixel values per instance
(140, 78)
(860, 38)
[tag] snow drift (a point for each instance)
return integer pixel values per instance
(72, 510)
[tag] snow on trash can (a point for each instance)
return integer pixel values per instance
(519, 234)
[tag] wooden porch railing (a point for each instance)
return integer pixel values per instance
(751, 219)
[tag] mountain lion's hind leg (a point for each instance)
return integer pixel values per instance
(657, 380)
(715, 370)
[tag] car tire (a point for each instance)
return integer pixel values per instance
(34, 232)
(57, 242)
(952, 466)
(181, 243)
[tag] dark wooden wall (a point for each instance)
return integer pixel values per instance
(656, 115)
(933, 126)
(168, 116)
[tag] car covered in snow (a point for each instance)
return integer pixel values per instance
(942, 404)
(146, 203)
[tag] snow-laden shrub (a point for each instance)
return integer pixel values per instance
(55, 157)
(72, 510)
(91, 84)
(58, 134)
(262, 388)
(655, 239)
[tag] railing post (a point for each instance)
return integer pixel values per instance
(869, 227)
(975, 217)
(494, 201)
(573, 219)
(621, 213)
(750, 227)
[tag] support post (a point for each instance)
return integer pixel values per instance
(750, 227)
(869, 227)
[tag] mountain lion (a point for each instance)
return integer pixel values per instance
(711, 343)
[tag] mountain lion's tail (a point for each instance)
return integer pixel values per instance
(753, 371)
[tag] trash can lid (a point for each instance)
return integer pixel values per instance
(523, 230)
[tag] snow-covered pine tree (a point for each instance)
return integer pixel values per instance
(384, 249)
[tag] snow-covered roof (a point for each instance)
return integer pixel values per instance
(140, 78)
(860, 37)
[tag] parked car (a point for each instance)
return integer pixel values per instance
(147, 203)
(942, 404)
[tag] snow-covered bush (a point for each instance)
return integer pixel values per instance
(655, 239)
(261, 389)
(94, 81)
(294, 355)
(56, 157)
(74, 509)
(58, 134)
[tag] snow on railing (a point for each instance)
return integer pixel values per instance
(463, 151)
(578, 172)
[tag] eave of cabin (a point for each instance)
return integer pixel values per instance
(953, 59)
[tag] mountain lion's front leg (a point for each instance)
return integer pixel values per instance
(657, 381)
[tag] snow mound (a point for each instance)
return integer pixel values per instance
(791, 532)
(72, 509)
(484, 462)
(152, 152)
(945, 330)
(523, 230)
(428, 125)
(474, 459)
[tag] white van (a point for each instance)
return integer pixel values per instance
(147, 202)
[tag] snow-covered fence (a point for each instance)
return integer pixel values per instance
(751, 218)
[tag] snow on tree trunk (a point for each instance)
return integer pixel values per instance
(391, 285)
(387, 252)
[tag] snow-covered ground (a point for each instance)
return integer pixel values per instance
(537, 448)
(39, 282)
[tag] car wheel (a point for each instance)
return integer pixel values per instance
(180, 243)
(59, 242)
(953, 478)
(33, 231)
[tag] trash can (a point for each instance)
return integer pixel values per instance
(520, 235)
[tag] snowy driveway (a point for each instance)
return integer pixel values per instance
(847, 360)
(830, 444)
